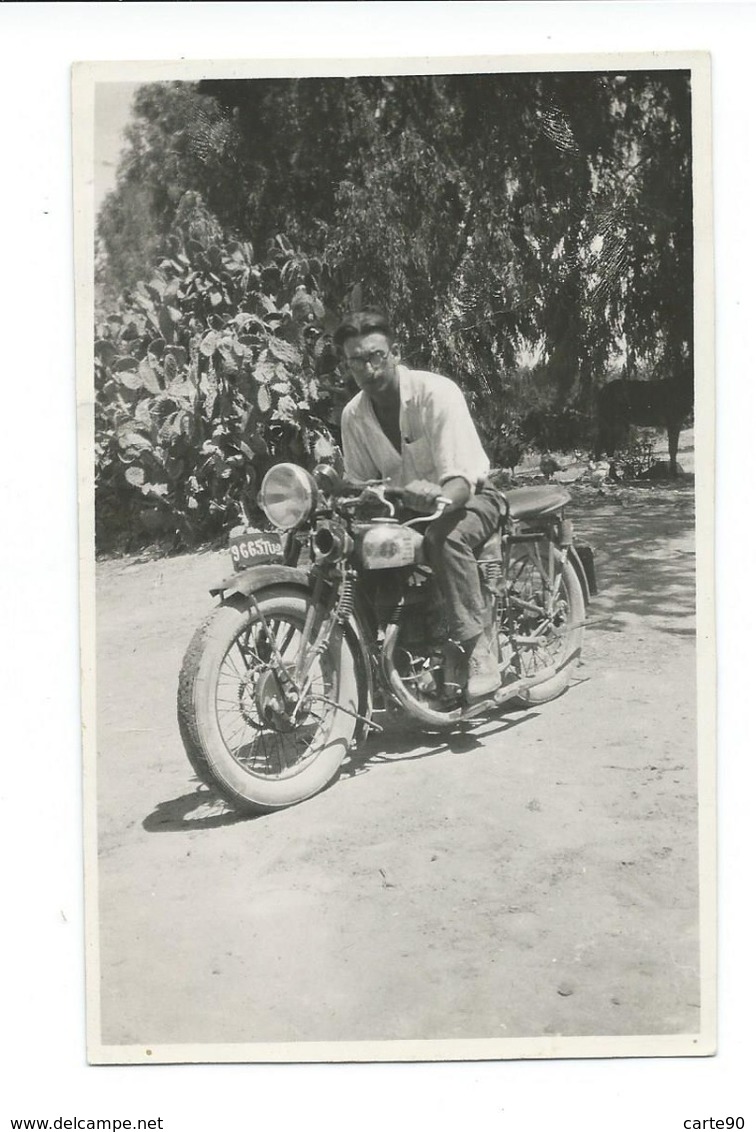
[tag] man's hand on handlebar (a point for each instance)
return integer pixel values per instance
(456, 492)
(422, 496)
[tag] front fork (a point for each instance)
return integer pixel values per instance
(324, 615)
(330, 608)
(327, 614)
(294, 681)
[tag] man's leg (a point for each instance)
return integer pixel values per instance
(451, 542)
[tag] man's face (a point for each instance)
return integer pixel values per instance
(372, 362)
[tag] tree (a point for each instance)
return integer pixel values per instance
(178, 141)
(205, 375)
(502, 219)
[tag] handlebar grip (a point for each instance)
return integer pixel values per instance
(348, 486)
(398, 494)
(390, 493)
(355, 487)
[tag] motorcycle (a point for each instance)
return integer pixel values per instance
(333, 613)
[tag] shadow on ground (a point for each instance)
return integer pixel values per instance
(645, 570)
(400, 742)
(203, 808)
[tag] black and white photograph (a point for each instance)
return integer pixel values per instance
(397, 726)
(376, 480)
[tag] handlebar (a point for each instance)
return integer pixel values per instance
(442, 502)
(389, 495)
(378, 489)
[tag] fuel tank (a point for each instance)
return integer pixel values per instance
(385, 544)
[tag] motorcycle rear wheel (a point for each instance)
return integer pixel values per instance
(544, 617)
(239, 733)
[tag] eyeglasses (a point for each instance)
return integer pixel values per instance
(374, 359)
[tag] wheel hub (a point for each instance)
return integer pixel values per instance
(276, 699)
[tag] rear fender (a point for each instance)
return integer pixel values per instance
(581, 559)
(259, 578)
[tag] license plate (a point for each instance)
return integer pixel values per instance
(254, 548)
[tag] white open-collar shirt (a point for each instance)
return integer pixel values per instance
(439, 439)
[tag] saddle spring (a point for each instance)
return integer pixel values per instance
(493, 574)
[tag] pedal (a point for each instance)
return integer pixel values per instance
(452, 692)
(474, 710)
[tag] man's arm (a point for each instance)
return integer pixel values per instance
(457, 489)
(421, 495)
(461, 463)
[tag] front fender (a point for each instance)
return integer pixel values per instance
(260, 578)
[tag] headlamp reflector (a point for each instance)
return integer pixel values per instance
(287, 495)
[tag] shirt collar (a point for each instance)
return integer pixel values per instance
(405, 384)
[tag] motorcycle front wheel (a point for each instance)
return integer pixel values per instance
(248, 730)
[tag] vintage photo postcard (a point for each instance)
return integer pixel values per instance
(396, 412)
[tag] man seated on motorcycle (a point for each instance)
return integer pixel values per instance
(413, 430)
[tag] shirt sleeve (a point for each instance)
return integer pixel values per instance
(457, 450)
(358, 464)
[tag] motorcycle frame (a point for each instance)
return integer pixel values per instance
(360, 627)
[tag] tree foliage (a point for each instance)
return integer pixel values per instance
(486, 211)
(526, 232)
(204, 376)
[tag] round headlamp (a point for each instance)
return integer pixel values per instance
(287, 495)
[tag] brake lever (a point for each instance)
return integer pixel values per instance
(378, 491)
(442, 502)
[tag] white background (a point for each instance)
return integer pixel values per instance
(43, 1058)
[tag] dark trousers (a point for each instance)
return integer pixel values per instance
(450, 544)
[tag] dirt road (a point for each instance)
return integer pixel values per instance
(537, 877)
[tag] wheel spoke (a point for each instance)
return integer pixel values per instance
(536, 606)
(250, 706)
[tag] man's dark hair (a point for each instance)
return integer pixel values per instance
(357, 324)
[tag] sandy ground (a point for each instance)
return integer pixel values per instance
(535, 877)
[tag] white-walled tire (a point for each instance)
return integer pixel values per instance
(238, 733)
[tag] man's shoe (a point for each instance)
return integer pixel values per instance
(455, 670)
(482, 668)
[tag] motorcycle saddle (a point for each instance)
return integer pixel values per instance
(532, 502)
